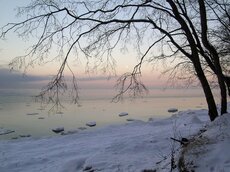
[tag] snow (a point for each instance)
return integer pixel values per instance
(135, 147)
(210, 150)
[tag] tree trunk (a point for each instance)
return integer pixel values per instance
(227, 82)
(223, 93)
(214, 56)
(194, 57)
(221, 80)
(212, 110)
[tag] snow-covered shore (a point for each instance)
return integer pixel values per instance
(134, 147)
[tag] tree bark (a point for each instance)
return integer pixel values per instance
(214, 56)
(207, 91)
(223, 93)
(227, 81)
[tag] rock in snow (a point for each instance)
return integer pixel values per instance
(32, 113)
(25, 135)
(172, 110)
(91, 124)
(69, 132)
(130, 119)
(58, 129)
(82, 128)
(5, 131)
(123, 114)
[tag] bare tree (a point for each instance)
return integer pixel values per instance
(221, 35)
(213, 58)
(94, 29)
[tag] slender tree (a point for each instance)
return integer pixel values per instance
(221, 35)
(214, 56)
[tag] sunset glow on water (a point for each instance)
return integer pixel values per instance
(95, 105)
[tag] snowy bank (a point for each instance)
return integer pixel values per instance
(133, 147)
(209, 151)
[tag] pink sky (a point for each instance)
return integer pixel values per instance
(12, 47)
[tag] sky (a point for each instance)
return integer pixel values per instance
(38, 75)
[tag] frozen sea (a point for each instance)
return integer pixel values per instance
(20, 113)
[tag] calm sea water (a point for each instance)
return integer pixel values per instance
(95, 106)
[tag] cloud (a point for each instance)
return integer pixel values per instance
(16, 80)
(13, 79)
